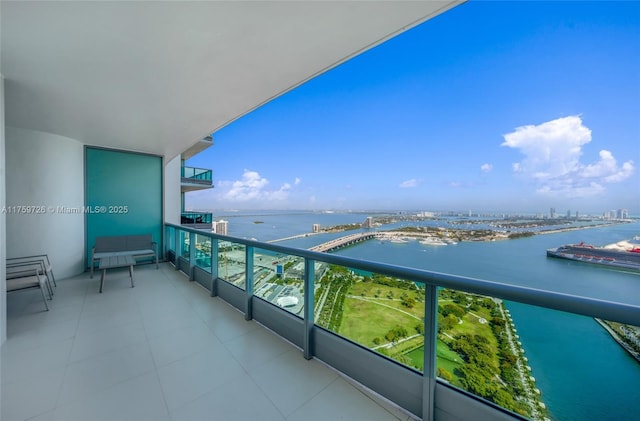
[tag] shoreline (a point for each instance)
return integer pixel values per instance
(618, 339)
(533, 395)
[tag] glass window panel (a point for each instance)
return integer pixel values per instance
(382, 313)
(184, 242)
(231, 263)
(479, 350)
(203, 252)
(171, 232)
(279, 279)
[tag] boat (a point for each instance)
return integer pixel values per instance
(430, 241)
(622, 254)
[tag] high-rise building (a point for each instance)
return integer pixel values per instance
(622, 214)
(221, 227)
(368, 223)
(552, 213)
(316, 227)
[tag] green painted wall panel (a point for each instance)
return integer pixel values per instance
(123, 195)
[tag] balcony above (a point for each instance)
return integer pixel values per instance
(198, 220)
(195, 179)
(198, 147)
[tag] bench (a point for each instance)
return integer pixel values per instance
(136, 246)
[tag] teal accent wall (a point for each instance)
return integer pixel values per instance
(115, 180)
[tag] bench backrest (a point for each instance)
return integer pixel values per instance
(139, 242)
(123, 243)
(110, 244)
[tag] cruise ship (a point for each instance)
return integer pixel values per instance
(622, 254)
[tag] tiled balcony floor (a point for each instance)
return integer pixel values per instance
(163, 350)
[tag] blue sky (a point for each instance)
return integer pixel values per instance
(503, 106)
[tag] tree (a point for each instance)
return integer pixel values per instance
(408, 302)
(454, 309)
(444, 374)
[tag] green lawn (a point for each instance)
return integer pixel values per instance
(362, 321)
(446, 358)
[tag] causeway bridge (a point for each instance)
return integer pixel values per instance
(344, 241)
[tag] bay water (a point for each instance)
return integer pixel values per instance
(583, 374)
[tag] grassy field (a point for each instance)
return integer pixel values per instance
(446, 358)
(366, 317)
(371, 310)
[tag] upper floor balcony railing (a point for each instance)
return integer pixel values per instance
(196, 218)
(438, 345)
(196, 175)
(196, 178)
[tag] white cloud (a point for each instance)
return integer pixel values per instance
(409, 184)
(485, 168)
(252, 186)
(297, 181)
(552, 153)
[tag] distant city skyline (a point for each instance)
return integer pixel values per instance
(510, 106)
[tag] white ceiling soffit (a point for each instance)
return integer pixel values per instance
(156, 76)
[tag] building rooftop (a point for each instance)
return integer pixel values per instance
(164, 350)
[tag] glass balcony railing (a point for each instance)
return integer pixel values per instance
(196, 218)
(402, 332)
(196, 175)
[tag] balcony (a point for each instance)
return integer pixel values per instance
(175, 349)
(163, 350)
(195, 179)
(198, 147)
(198, 220)
(287, 289)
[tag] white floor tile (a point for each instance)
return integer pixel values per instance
(31, 397)
(92, 375)
(257, 348)
(181, 343)
(290, 381)
(27, 364)
(107, 340)
(239, 399)
(139, 398)
(341, 401)
(231, 327)
(197, 374)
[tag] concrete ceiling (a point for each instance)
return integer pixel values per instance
(156, 76)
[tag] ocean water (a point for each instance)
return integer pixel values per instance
(582, 372)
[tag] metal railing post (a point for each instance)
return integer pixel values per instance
(309, 278)
(248, 285)
(214, 266)
(430, 344)
(192, 255)
(177, 247)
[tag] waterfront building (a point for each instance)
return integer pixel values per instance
(105, 101)
(221, 227)
(368, 222)
(316, 228)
